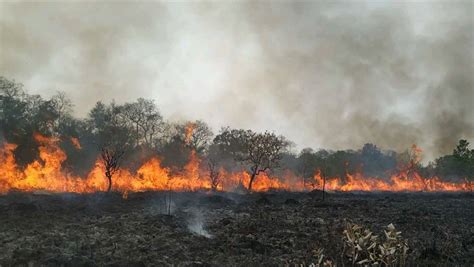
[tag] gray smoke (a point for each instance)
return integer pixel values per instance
(195, 222)
(325, 74)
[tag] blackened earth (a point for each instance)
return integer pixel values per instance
(226, 229)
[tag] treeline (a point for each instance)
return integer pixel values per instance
(137, 131)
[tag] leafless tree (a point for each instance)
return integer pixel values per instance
(62, 105)
(214, 174)
(145, 119)
(111, 159)
(153, 121)
(201, 136)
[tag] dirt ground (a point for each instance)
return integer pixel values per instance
(226, 229)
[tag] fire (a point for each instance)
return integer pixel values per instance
(396, 183)
(75, 143)
(189, 129)
(8, 168)
(48, 174)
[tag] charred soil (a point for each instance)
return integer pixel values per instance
(226, 229)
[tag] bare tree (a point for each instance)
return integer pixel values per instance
(153, 121)
(145, 119)
(214, 161)
(214, 174)
(202, 135)
(113, 137)
(111, 159)
(62, 105)
(132, 113)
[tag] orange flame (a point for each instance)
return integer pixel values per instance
(47, 174)
(75, 143)
(189, 129)
(396, 183)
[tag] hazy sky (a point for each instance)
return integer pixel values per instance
(325, 74)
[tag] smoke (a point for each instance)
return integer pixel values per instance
(325, 74)
(181, 205)
(196, 223)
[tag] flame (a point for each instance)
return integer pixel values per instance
(47, 173)
(188, 133)
(416, 153)
(75, 143)
(396, 183)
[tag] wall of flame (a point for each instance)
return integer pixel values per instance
(47, 174)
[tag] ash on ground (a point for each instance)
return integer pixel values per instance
(225, 229)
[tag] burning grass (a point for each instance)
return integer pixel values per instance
(47, 173)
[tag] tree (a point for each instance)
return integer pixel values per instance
(111, 135)
(213, 163)
(340, 163)
(375, 162)
(311, 164)
(197, 135)
(98, 118)
(465, 158)
(106, 124)
(46, 117)
(13, 108)
(113, 145)
(111, 158)
(460, 164)
(62, 107)
(306, 164)
(462, 151)
(144, 118)
(260, 151)
(214, 174)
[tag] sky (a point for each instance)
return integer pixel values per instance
(325, 74)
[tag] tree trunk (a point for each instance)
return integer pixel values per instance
(252, 178)
(138, 140)
(324, 186)
(109, 177)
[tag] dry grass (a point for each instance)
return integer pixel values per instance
(362, 247)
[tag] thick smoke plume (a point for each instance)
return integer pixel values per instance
(333, 74)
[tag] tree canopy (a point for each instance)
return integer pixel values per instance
(139, 128)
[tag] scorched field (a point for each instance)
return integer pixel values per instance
(228, 229)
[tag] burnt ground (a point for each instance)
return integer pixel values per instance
(261, 229)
